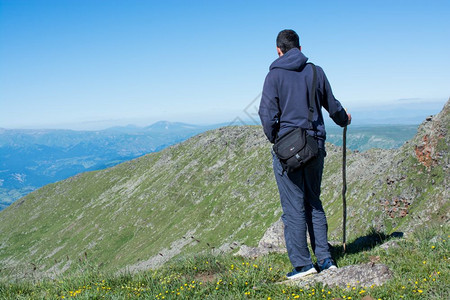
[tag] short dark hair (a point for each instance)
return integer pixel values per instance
(287, 39)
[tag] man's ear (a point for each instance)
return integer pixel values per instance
(280, 53)
(300, 48)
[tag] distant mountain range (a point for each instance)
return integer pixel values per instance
(30, 159)
(363, 138)
(213, 193)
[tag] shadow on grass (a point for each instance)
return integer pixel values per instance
(363, 243)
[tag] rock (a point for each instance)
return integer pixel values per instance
(273, 238)
(251, 252)
(272, 241)
(364, 275)
(389, 244)
(433, 240)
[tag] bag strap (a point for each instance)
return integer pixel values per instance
(312, 96)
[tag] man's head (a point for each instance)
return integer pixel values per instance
(286, 40)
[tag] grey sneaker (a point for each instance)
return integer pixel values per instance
(301, 272)
(327, 263)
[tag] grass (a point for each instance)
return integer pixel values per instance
(420, 263)
(128, 214)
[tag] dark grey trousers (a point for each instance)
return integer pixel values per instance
(302, 211)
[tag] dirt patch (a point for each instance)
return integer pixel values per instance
(206, 277)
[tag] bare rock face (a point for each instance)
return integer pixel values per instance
(430, 132)
(365, 275)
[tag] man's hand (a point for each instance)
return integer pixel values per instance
(349, 117)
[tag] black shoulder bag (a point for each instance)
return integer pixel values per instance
(297, 147)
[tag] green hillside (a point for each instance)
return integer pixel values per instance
(418, 263)
(211, 194)
(216, 188)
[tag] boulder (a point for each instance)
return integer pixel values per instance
(272, 241)
(364, 275)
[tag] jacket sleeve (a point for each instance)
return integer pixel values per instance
(269, 112)
(332, 105)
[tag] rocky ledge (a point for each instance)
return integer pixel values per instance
(365, 275)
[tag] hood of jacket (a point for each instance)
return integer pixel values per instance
(293, 60)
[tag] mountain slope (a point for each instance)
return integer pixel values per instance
(205, 187)
(403, 188)
(30, 159)
(214, 192)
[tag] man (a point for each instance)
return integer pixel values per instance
(284, 106)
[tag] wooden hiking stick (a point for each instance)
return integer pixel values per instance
(344, 186)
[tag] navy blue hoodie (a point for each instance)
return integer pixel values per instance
(284, 103)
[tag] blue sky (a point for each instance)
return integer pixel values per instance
(93, 64)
